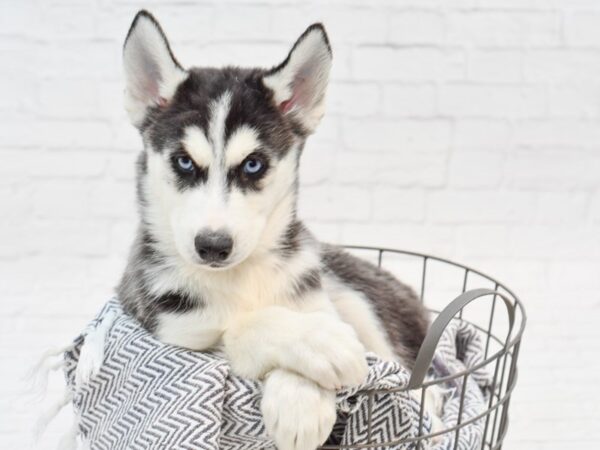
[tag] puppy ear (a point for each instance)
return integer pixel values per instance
(152, 73)
(299, 82)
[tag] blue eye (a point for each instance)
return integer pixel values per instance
(185, 164)
(253, 166)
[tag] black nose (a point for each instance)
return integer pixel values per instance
(213, 246)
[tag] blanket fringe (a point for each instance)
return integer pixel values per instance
(69, 440)
(92, 350)
(47, 416)
(37, 376)
(90, 360)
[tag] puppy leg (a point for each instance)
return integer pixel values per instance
(298, 413)
(317, 345)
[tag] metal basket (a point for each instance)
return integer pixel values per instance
(502, 343)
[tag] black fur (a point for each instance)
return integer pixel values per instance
(309, 282)
(252, 104)
(245, 182)
(185, 179)
(134, 289)
(396, 304)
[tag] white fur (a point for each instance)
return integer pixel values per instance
(298, 413)
(92, 350)
(216, 128)
(197, 146)
(242, 142)
(303, 79)
(197, 330)
(354, 308)
(303, 348)
(151, 74)
(316, 345)
(250, 218)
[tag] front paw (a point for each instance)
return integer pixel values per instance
(298, 414)
(329, 353)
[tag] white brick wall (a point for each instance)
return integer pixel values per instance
(464, 128)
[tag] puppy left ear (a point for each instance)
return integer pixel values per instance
(152, 73)
(299, 83)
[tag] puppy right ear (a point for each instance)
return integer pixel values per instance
(152, 73)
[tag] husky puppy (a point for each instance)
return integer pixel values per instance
(221, 259)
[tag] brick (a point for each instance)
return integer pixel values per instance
(333, 203)
(324, 231)
(249, 22)
(495, 66)
(427, 239)
(579, 101)
(553, 133)
(561, 66)
(465, 129)
(402, 169)
(113, 199)
(408, 64)
(398, 205)
(409, 100)
(476, 169)
(397, 135)
(20, 98)
(504, 28)
(482, 135)
(548, 242)
(416, 27)
(72, 237)
(57, 199)
(364, 25)
(68, 164)
(581, 28)
(353, 99)
(595, 208)
(317, 163)
(552, 171)
(20, 133)
(122, 233)
(501, 101)
(562, 208)
(244, 54)
(488, 241)
(65, 134)
(60, 22)
(79, 59)
(68, 98)
(122, 165)
(194, 23)
(480, 207)
(126, 137)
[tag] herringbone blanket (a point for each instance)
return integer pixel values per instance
(143, 394)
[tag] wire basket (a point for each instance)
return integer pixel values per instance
(441, 280)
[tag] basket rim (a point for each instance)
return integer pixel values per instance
(509, 345)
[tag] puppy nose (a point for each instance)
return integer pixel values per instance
(213, 246)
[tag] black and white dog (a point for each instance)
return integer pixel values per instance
(222, 260)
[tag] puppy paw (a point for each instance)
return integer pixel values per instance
(329, 353)
(298, 414)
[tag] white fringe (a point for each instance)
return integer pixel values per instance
(92, 350)
(47, 416)
(69, 440)
(90, 361)
(37, 376)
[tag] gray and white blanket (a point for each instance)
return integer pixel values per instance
(143, 394)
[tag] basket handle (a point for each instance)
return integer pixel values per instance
(427, 350)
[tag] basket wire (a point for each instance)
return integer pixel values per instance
(501, 362)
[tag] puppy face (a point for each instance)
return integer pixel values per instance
(217, 180)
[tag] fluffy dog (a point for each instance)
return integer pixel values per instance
(221, 259)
